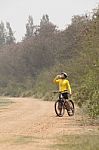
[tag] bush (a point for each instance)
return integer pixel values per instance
(87, 96)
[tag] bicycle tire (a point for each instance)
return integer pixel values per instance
(57, 103)
(72, 109)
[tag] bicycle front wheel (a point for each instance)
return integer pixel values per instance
(59, 108)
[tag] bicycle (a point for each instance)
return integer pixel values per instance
(64, 104)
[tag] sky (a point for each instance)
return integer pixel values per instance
(60, 12)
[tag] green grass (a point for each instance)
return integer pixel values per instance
(25, 140)
(77, 142)
(5, 102)
(18, 140)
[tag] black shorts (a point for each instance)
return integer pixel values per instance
(65, 95)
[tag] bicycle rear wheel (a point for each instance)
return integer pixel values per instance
(72, 108)
(59, 108)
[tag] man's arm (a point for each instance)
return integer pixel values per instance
(56, 79)
(69, 87)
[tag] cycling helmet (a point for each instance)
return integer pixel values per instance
(65, 74)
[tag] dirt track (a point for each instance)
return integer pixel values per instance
(31, 124)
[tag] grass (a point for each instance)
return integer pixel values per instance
(5, 102)
(77, 142)
(18, 140)
(24, 140)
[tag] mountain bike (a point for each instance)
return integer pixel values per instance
(64, 104)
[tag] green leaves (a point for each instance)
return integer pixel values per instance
(88, 94)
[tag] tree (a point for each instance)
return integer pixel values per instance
(10, 34)
(44, 20)
(46, 27)
(30, 28)
(2, 34)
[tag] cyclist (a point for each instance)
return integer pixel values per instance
(64, 86)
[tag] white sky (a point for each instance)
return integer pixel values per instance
(60, 12)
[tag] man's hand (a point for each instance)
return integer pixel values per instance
(58, 76)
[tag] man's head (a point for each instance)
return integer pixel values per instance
(64, 75)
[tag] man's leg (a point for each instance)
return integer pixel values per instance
(66, 103)
(67, 106)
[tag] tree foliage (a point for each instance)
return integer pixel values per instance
(10, 35)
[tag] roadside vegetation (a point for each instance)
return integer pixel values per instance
(74, 142)
(5, 102)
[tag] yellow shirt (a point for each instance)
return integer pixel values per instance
(63, 85)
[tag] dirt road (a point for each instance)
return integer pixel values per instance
(31, 124)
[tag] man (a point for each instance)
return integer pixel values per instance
(64, 86)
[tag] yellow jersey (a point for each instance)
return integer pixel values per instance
(63, 85)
